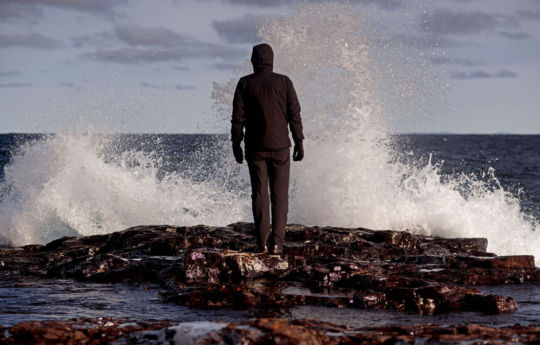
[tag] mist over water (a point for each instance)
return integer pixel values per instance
(353, 173)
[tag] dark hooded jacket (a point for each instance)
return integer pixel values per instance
(265, 103)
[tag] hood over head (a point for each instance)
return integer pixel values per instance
(262, 58)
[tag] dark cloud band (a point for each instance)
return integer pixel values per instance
(478, 74)
(30, 40)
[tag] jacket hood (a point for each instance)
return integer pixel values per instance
(262, 58)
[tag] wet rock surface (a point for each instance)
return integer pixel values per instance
(216, 267)
(75, 332)
(255, 332)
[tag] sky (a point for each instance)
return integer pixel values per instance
(144, 66)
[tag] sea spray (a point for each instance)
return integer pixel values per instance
(66, 184)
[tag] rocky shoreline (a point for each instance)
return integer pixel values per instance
(216, 267)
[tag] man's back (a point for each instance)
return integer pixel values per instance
(265, 103)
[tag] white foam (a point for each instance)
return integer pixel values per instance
(65, 186)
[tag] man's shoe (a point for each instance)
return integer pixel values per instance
(261, 249)
(276, 249)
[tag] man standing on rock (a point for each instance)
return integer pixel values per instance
(265, 103)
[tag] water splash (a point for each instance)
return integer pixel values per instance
(66, 185)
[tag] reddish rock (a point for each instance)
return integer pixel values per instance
(203, 266)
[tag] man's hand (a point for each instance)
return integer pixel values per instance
(238, 152)
(298, 153)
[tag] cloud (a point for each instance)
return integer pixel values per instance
(137, 35)
(155, 44)
(69, 84)
(97, 6)
(6, 85)
(11, 11)
(184, 87)
(505, 74)
(10, 73)
(240, 30)
(30, 40)
(384, 4)
(258, 3)
(160, 87)
(100, 39)
(152, 86)
(514, 35)
(534, 15)
(447, 22)
(226, 66)
(418, 41)
(478, 74)
(444, 60)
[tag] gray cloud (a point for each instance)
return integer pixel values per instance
(258, 3)
(6, 85)
(30, 40)
(444, 60)
(505, 74)
(99, 6)
(11, 11)
(184, 87)
(514, 35)
(154, 44)
(419, 41)
(240, 30)
(137, 35)
(160, 87)
(478, 74)
(469, 75)
(16, 10)
(10, 73)
(384, 4)
(225, 66)
(100, 39)
(529, 14)
(69, 84)
(136, 55)
(445, 21)
(152, 86)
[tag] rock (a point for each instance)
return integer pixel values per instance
(79, 332)
(312, 332)
(216, 267)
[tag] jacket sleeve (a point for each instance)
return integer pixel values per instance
(293, 113)
(238, 118)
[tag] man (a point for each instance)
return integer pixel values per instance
(265, 103)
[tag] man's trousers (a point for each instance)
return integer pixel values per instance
(269, 169)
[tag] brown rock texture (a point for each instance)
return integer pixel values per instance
(216, 267)
(256, 332)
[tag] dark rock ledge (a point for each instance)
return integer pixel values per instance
(215, 267)
(256, 332)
